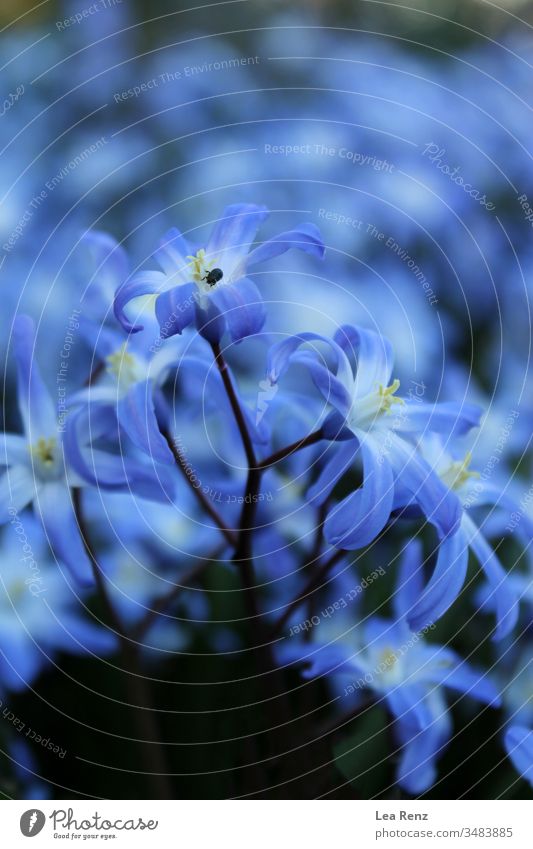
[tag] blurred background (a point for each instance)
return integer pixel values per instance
(405, 134)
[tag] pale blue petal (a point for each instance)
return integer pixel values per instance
(14, 450)
(449, 419)
(306, 237)
(334, 391)
(281, 355)
(373, 355)
(111, 268)
(235, 231)
(56, 511)
(37, 409)
(172, 252)
(143, 283)
(17, 490)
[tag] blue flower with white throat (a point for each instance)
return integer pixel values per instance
(450, 570)
(371, 422)
(401, 669)
(40, 612)
(36, 471)
(209, 287)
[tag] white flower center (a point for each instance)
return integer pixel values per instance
(201, 268)
(45, 456)
(366, 412)
(124, 367)
(456, 473)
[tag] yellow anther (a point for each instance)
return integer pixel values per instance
(44, 451)
(388, 659)
(121, 364)
(387, 396)
(457, 473)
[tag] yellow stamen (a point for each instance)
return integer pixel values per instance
(457, 472)
(388, 659)
(200, 266)
(387, 396)
(121, 364)
(44, 450)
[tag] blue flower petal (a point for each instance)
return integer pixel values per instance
(417, 770)
(111, 268)
(450, 419)
(136, 416)
(75, 635)
(55, 508)
(335, 467)
(506, 596)
(281, 355)
(144, 283)
(37, 409)
(20, 660)
(242, 306)
(175, 309)
(210, 322)
(172, 252)
(444, 585)
(410, 579)
(306, 237)
(450, 670)
(113, 472)
(235, 231)
(439, 504)
(519, 745)
(17, 490)
(13, 450)
(334, 390)
(373, 354)
(359, 518)
(408, 704)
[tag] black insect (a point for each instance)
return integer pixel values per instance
(212, 277)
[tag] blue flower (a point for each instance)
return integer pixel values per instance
(403, 670)
(136, 367)
(376, 425)
(40, 613)
(518, 742)
(209, 286)
(36, 470)
(450, 570)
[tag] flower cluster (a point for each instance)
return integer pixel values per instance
(201, 433)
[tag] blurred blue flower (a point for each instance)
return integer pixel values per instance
(36, 470)
(402, 669)
(519, 745)
(41, 612)
(450, 570)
